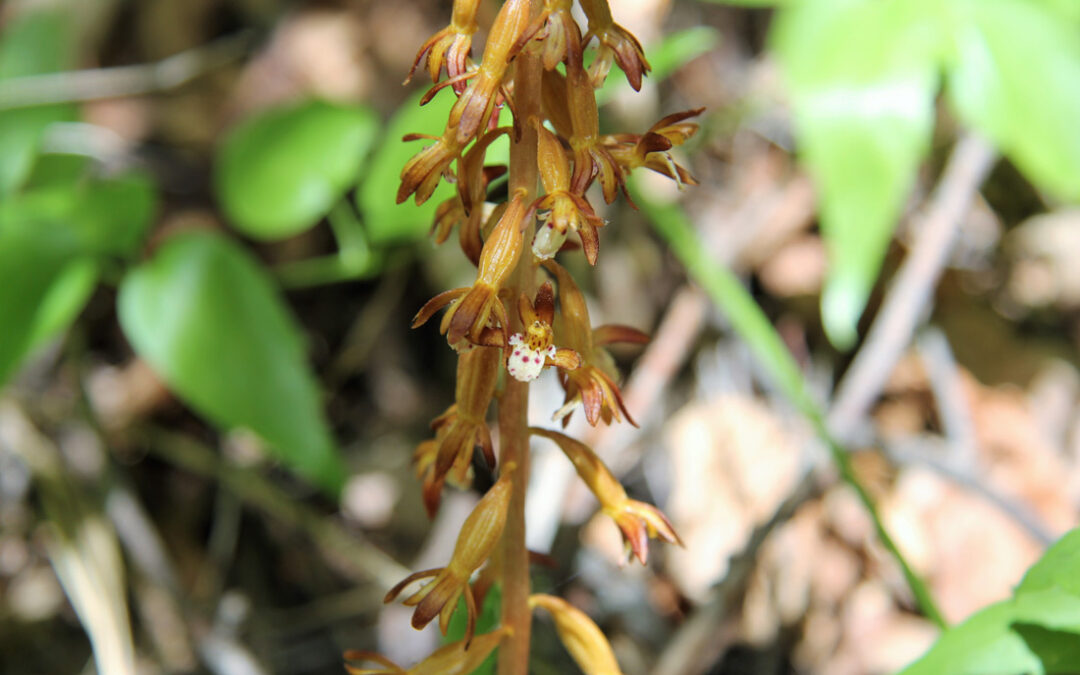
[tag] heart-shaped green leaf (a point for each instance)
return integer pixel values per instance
(208, 320)
(281, 171)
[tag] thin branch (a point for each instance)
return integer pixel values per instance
(99, 83)
(910, 295)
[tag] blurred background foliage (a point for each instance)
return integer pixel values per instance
(211, 393)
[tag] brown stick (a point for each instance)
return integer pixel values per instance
(514, 403)
(910, 295)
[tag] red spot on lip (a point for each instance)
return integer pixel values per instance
(517, 352)
(524, 359)
(537, 359)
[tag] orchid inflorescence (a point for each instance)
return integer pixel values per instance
(524, 312)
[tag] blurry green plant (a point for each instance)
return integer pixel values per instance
(863, 78)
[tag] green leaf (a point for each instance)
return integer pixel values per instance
(281, 171)
(1058, 651)
(678, 49)
(205, 316)
(982, 645)
(862, 76)
(107, 217)
(42, 287)
(35, 42)
(114, 215)
(66, 297)
(1015, 77)
(385, 221)
(1059, 567)
(988, 644)
(490, 615)
(58, 169)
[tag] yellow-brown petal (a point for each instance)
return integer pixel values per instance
(435, 304)
(611, 333)
(388, 666)
(461, 658)
(580, 635)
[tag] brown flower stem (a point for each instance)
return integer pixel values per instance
(514, 403)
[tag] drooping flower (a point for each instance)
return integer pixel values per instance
(593, 383)
(555, 27)
(591, 158)
(422, 173)
(474, 108)
(450, 46)
(615, 43)
(651, 149)
(580, 635)
(457, 658)
(473, 308)
(560, 210)
(475, 543)
(466, 206)
(637, 521)
(531, 351)
(460, 429)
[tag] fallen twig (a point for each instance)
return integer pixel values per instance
(909, 298)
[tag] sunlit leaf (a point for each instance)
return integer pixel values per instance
(34, 42)
(205, 316)
(281, 171)
(1015, 77)
(1034, 632)
(1058, 567)
(862, 77)
(982, 645)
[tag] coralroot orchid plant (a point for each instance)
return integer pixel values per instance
(524, 312)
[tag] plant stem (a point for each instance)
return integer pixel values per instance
(514, 403)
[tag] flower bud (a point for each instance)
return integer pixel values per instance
(473, 109)
(637, 521)
(615, 42)
(450, 46)
(580, 635)
(475, 543)
(458, 658)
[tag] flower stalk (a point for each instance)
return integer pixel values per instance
(506, 327)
